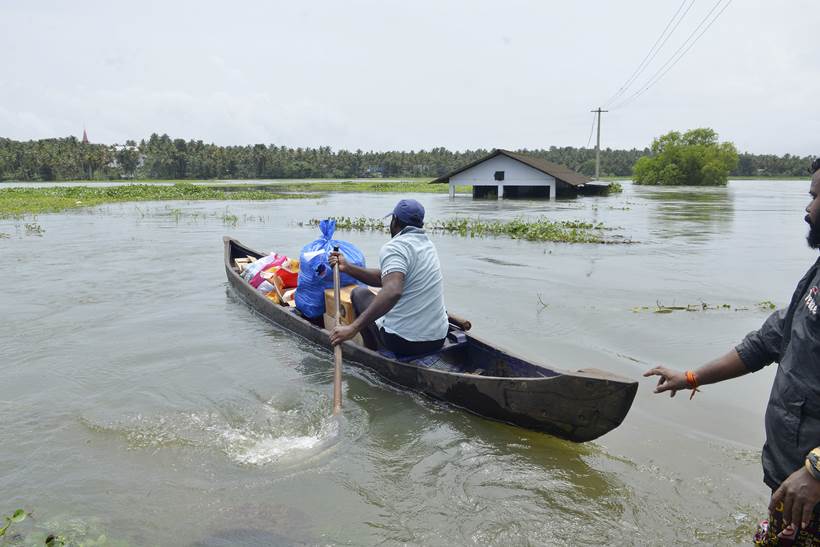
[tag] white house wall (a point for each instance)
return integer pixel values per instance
(515, 174)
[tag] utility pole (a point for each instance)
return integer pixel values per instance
(598, 145)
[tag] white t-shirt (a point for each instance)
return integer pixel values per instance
(419, 315)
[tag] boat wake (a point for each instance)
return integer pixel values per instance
(249, 447)
(270, 433)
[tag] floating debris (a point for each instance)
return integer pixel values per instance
(765, 305)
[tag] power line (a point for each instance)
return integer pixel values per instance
(653, 51)
(678, 55)
(661, 72)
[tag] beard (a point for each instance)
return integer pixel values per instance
(813, 238)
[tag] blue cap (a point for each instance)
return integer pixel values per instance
(409, 212)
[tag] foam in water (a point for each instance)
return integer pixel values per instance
(255, 449)
(248, 435)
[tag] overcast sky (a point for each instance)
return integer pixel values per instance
(390, 75)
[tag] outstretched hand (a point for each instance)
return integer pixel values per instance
(670, 380)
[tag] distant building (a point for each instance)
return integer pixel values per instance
(85, 136)
(124, 151)
(374, 172)
(506, 174)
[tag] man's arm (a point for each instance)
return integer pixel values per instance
(368, 276)
(723, 368)
(392, 288)
(758, 349)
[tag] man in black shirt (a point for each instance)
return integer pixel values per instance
(791, 337)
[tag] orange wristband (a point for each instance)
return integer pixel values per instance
(692, 380)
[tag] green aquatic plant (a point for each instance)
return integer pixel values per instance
(72, 532)
(20, 201)
(539, 229)
(703, 306)
(614, 187)
(230, 219)
(420, 186)
(53, 540)
(32, 228)
(178, 215)
(18, 516)
(361, 224)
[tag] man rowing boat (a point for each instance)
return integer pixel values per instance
(407, 316)
(791, 454)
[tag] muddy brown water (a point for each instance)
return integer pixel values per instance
(142, 401)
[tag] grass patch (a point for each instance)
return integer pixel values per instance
(539, 229)
(731, 177)
(614, 187)
(32, 228)
(375, 186)
(20, 201)
(805, 177)
(177, 215)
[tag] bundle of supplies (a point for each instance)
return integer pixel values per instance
(272, 275)
(315, 273)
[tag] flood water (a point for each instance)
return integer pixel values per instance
(141, 400)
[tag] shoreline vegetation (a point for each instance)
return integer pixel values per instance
(731, 178)
(18, 201)
(164, 157)
(421, 186)
(538, 229)
(22, 201)
(25, 199)
(313, 183)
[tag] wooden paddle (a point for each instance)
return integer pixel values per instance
(337, 350)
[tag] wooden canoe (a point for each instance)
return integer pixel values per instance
(473, 374)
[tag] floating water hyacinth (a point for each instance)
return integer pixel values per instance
(20, 201)
(539, 229)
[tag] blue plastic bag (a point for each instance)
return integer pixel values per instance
(315, 273)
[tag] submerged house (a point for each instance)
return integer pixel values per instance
(506, 174)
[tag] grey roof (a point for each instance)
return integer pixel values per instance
(559, 172)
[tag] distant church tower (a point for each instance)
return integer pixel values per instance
(85, 136)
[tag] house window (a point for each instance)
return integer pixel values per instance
(499, 175)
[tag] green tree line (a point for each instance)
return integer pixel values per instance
(161, 157)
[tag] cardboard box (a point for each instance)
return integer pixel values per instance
(330, 323)
(346, 306)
